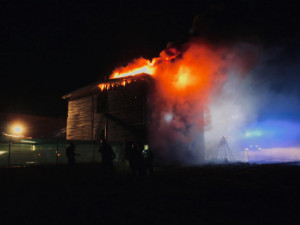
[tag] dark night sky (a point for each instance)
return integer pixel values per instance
(50, 48)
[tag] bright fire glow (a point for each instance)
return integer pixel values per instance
(138, 66)
(185, 81)
(179, 73)
(144, 66)
(183, 78)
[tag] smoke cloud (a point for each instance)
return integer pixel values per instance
(253, 98)
(190, 93)
(250, 97)
(236, 77)
(259, 114)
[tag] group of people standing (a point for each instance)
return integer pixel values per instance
(140, 157)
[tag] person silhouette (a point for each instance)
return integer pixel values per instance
(108, 156)
(135, 160)
(148, 158)
(70, 153)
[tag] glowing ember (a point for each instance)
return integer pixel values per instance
(111, 84)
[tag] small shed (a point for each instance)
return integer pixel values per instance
(116, 109)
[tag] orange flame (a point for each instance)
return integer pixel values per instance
(139, 66)
(194, 71)
(144, 66)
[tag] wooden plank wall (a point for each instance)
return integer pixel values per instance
(124, 118)
(79, 121)
(126, 113)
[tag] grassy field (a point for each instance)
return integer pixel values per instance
(236, 194)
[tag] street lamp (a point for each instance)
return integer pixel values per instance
(16, 131)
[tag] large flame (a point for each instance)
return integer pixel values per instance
(138, 66)
(144, 66)
(179, 73)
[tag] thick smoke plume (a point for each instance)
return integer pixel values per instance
(186, 88)
(259, 114)
(236, 77)
(247, 93)
(244, 92)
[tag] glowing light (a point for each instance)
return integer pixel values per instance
(11, 135)
(17, 129)
(168, 117)
(26, 141)
(255, 133)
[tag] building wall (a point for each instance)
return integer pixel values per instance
(126, 112)
(118, 113)
(79, 121)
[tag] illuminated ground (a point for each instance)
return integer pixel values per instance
(264, 194)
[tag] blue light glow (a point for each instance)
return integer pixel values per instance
(272, 134)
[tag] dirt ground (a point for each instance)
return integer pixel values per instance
(236, 194)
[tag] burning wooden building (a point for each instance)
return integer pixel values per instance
(115, 109)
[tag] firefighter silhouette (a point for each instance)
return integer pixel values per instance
(108, 156)
(147, 156)
(135, 159)
(70, 153)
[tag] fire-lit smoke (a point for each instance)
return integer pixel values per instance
(182, 94)
(141, 65)
(243, 92)
(186, 80)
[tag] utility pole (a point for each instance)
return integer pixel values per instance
(57, 143)
(9, 146)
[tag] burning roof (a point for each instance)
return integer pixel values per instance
(122, 81)
(104, 85)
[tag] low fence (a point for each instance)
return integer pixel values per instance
(15, 152)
